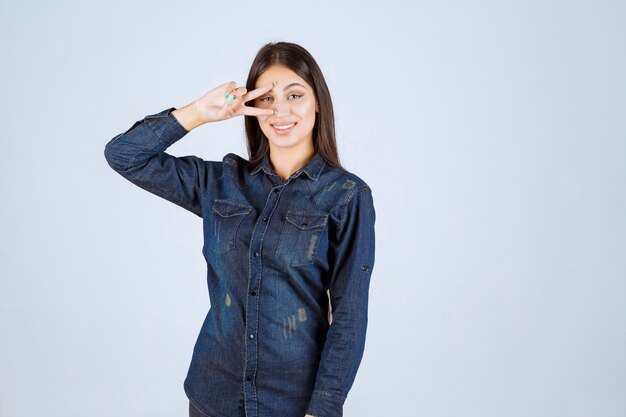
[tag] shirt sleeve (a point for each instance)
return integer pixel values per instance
(139, 155)
(352, 257)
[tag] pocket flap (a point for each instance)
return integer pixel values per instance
(227, 208)
(303, 220)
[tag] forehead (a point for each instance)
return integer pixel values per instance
(283, 75)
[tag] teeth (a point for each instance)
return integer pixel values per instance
(284, 127)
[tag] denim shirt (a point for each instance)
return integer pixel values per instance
(289, 264)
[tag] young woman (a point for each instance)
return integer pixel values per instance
(288, 241)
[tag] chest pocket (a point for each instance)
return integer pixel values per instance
(299, 237)
(226, 216)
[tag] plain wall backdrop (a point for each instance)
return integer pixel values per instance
(492, 134)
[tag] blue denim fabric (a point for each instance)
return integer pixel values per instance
(275, 250)
(195, 412)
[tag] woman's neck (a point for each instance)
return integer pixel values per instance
(286, 161)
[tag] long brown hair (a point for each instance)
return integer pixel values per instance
(300, 61)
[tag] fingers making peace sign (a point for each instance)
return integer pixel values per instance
(214, 105)
(221, 103)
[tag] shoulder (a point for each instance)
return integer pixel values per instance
(234, 165)
(346, 194)
(350, 179)
(339, 185)
(237, 168)
(233, 160)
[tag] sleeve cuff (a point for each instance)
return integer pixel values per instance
(326, 404)
(165, 126)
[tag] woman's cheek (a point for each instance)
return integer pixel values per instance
(307, 107)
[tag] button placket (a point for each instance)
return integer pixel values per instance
(254, 283)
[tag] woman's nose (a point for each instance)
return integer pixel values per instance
(282, 108)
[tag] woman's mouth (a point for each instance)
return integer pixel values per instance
(284, 129)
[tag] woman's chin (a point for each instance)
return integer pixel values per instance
(284, 141)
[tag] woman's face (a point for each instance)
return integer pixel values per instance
(295, 103)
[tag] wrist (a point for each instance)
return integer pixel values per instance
(189, 116)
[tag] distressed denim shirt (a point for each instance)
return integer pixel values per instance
(288, 272)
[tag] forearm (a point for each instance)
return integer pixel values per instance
(138, 154)
(144, 140)
(339, 362)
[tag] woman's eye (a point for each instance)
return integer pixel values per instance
(263, 100)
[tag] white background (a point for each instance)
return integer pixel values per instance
(491, 132)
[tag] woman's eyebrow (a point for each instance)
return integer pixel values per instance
(288, 86)
(293, 84)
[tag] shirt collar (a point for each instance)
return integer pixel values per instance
(313, 168)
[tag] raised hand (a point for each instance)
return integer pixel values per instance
(213, 107)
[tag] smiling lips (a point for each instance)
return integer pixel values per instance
(283, 129)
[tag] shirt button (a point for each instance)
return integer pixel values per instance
(264, 219)
(248, 378)
(276, 190)
(251, 336)
(365, 268)
(256, 253)
(252, 292)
